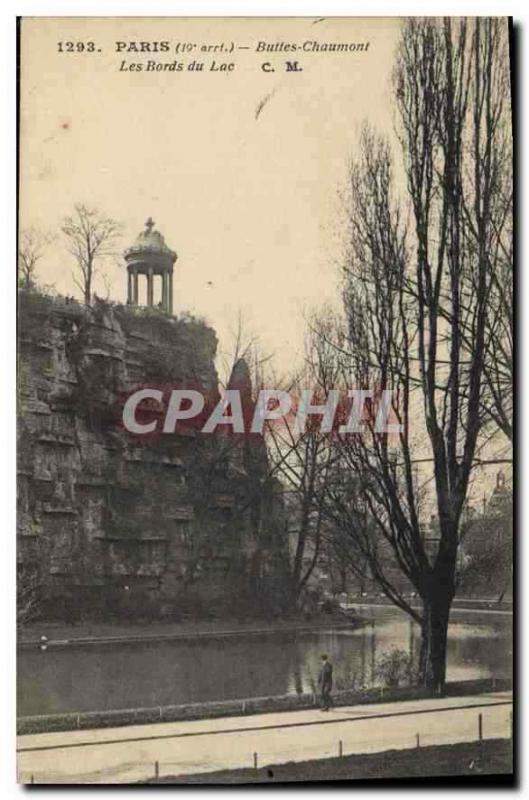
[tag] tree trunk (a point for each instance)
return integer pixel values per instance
(88, 285)
(292, 595)
(434, 632)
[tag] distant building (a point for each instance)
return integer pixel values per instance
(487, 545)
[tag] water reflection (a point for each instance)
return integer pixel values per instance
(127, 676)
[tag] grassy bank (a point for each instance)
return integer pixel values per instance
(492, 757)
(61, 634)
(98, 631)
(245, 707)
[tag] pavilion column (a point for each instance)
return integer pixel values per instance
(149, 256)
(150, 289)
(164, 291)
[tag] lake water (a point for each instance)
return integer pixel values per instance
(100, 677)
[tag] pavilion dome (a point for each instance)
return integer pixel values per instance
(150, 242)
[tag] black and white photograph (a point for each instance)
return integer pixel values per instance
(264, 396)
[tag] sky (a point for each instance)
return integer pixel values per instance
(252, 203)
(244, 172)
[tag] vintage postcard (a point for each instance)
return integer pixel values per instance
(265, 408)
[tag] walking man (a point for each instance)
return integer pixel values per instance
(325, 682)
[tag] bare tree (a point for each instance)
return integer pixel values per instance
(91, 237)
(488, 566)
(32, 245)
(499, 361)
(29, 589)
(484, 199)
(232, 488)
(207, 477)
(301, 460)
(417, 303)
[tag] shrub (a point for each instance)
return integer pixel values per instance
(349, 680)
(395, 668)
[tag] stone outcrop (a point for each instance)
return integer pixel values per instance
(109, 525)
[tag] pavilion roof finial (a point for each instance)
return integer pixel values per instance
(150, 224)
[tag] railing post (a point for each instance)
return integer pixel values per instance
(156, 770)
(340, 748)
(480, 727)
(418, 740)
(255, 761)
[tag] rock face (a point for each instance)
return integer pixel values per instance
(109, 525)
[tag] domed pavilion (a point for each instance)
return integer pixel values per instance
(150, 256)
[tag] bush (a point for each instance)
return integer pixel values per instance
(330, 606)
(395, 668)
(349, 680)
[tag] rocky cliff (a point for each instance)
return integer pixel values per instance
(109, 525)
